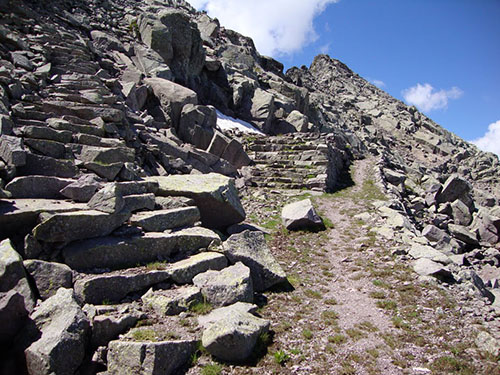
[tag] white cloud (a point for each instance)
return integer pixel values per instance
(378, 83)
(278, 27)
(490, 141)
(426, 98)
(325, 48)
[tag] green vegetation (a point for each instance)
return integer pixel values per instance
(387, 304)
(452, 365)
(312, 294)
(281, 357)
(156, 266)
(144, 335)
(212, 369)
(337, 339)
(200, 308)
(307, 333)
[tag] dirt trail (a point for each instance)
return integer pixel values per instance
(354, 308)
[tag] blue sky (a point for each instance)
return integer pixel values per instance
(441, 55)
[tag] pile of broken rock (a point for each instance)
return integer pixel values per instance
(155, 235)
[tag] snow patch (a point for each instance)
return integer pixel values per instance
(229, 123)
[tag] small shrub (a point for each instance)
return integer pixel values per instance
(387, 304)
(200, 308)
(308, 335)
(337, 339)
(144, 335)
(212, 369)
(281, 357)
(331, 301)
(377, 295)
(312, 293)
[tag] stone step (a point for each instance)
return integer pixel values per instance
(77, 67)
(112, 287)
(30, 122)
(122, 252)
(62, 124)
(31, 114)
(282, 147)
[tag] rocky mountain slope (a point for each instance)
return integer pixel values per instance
(130, 211)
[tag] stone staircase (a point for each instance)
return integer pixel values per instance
(294, 161)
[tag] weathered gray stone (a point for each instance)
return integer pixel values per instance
(107, 171)
(219, 314)
(214, 194)
(233, 337)
(460, 212)
(394, 177)
(6, 125)
(418, 251)
(12, 150)
(197, 125)
(49, 276)
(103, 155)
(107, 327)
(106, 42)
(301, 215)
(427, 267)
(19, 216)
(218, 144)
(65, 329)
(47, 187)
(173, 97)
(137, 187)
(73, 226)
(83, 189)
(463, 234)
(486, 342)
(159, 221)
(172, 301)
(182, 272)
(122, 252)
(176, 39)
(232, 284)
(53, 149)
(167, 203)
(298, 121)
(109, 199)
(236, 155)
(454, 188)
(251, 249)
(149, 358)
(47, 166)
(16, 297)
(487, 227)
(19, 59)
(42, 132)
(433, 233)
(139, 202)
(113, 287)
(262, 110)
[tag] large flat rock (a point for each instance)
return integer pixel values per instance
(64, 331)
(112, 287)
(161, 220)
(214, 194)
(233, 335)
(182, 272)
(19, 216)
(251, 249)
(148, 358)
(122, 252)
(77, 225)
